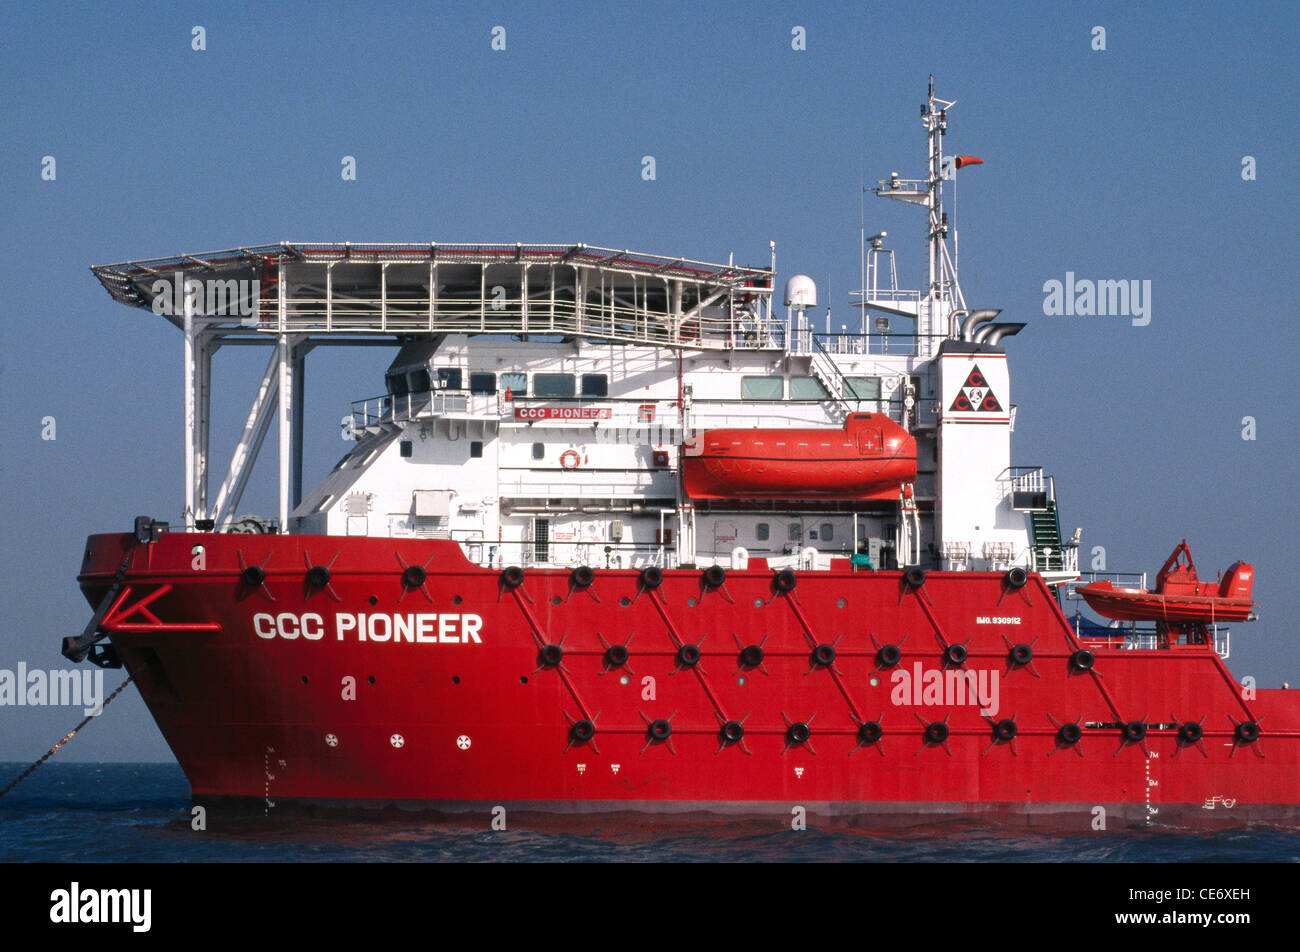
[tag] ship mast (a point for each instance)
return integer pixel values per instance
(935, 307)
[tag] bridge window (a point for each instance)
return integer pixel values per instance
(762, 532)
(397, 382)
(419, 381)
(807, 388)
(761, 388)
(595, 385)
(516, 383)
(448, 378)
(482, 383)
(553, 385)
(862, 388)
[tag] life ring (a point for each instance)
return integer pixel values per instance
(569, 459)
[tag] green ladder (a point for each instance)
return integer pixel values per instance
(1045, 533)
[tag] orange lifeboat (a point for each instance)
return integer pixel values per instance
(1179, 598)
(868, 459)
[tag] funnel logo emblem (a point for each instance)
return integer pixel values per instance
(975, 396)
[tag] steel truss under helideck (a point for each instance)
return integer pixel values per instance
(296, 297)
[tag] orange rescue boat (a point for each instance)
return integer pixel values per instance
(1179, 598)
(870, 458)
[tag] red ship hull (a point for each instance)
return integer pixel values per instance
(459, 700)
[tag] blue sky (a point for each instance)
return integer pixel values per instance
(1122, 163)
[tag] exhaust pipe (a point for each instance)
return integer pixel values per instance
(995, 332)
(981, 316)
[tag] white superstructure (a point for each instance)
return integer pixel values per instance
(540, 397)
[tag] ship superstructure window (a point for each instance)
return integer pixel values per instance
(476, 449)
(828, 532)
(763, 532)
(595, 385)
(397, 382)
(862, 388)
(406, 447)
(539, 450)
(516, 383)
(796, 532)
(419, 381)
(761, 388)
(483, 383)
(553, 385)
(448, 378)
(807, 388)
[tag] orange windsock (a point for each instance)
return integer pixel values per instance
(968, 160)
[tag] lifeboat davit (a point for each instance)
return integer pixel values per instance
(1179, 597)
(870, 458)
